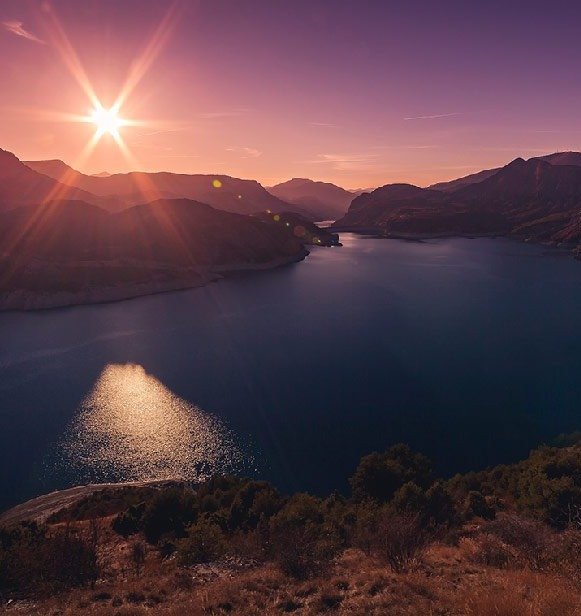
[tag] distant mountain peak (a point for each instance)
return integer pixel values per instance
(328, 200)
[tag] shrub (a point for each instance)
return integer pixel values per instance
(434, 506)
(301, 543)
(379, 475)
(138, 554)
(168, 513)
(400, 540)
(34, 561)
(366, 526)
(129, 522)
(532, 539)
(476, 505)
(491, 551)
(205, 542)
(254, 501)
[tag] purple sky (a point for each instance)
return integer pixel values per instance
(360, 93)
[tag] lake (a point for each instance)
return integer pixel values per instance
(469, 350)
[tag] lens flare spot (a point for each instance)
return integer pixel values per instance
(216, 183)
(276, 217)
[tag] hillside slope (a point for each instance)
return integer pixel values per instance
(72, 252)
(21, 186)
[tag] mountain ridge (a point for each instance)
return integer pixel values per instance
(221, 191)
(535, 200)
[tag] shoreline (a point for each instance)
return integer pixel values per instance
(28, 301)
(375, 233)
(40, 508)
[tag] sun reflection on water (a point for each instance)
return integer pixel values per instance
(132, 428)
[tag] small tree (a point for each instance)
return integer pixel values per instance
(204, 542)
(379, 475)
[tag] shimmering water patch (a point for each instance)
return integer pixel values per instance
(131, 427)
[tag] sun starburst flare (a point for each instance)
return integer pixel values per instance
(107, 120)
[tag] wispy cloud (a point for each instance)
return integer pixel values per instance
(244, 151)
(406, 147)
(210, 115)
(164, 131)
(180, 156)
(346, 162)
(17, 28)
(323, 124)
(433, 117)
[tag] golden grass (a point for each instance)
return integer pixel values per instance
(446, 582)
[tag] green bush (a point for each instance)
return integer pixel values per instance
(204, 542)
(168, 513)
(476, 505)
(301, 541)
(379, 475)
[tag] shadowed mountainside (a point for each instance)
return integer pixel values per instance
(533, 200)
(328, 200)
(558, 158)
(21, 186)
(473, 178)
(73, 252)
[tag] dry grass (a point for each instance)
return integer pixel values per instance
(448, 580)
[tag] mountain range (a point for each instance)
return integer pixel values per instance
(32, 182)
(67, 237)
(328, 200)
(118, 191)
(537, 199)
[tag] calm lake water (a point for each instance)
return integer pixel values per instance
(470, 350)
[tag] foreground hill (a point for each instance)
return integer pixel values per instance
(501, 542)
(329, 201)
(72, 252)
(220, 191)
(533, 200)
(21, 186)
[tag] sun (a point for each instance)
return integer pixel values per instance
(107, 121)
